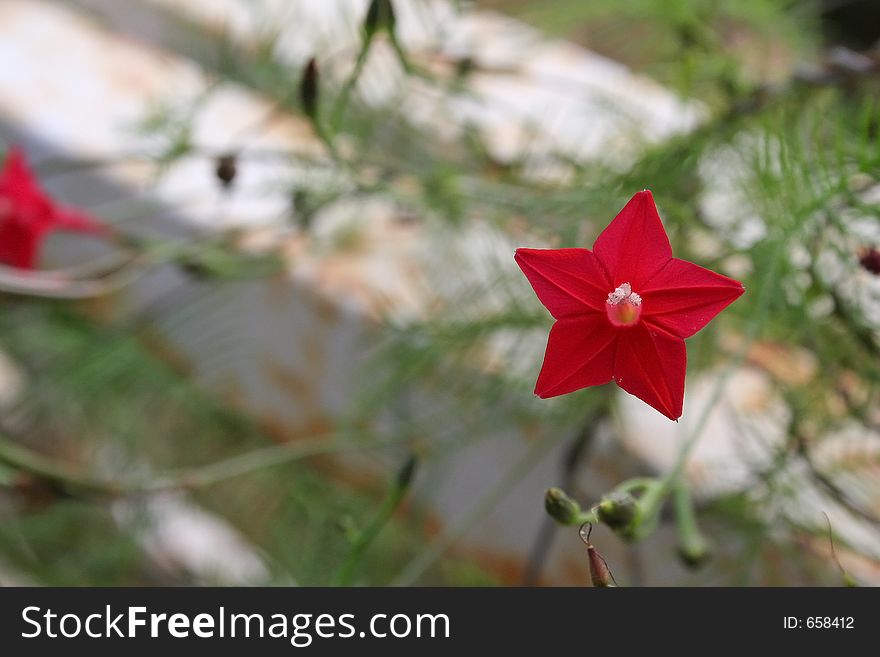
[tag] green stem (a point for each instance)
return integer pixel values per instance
(415, 568)
(654, 497)
(344, 96)
(635, 484)
(22, 459)
(586, 517)
(400, 52)
(692, 545)
(362, 541)
(71, 479)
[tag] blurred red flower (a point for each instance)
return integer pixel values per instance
(28, 215)
(623, 309)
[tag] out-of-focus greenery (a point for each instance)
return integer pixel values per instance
(796, 155)
(701, 47)
(99, 396)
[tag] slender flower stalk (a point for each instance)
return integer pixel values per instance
(72, 480)
(361, 540)
(693, 548)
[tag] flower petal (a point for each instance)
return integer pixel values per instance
(650, 364)
(74, 220)
(16, 179)
(567, 281)
(580, 353)
(683, 297)
(634, 246)
(19, 244)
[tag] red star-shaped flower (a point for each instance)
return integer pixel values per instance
(27, 215)
(623, 309)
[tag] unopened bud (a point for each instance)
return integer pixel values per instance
(226, 169)
(36, 494)
(693, 548)
(869, 259)
(617, 510)
(695, 552)
(380, 16)
(308, 89)
(600, 574)
(406, 472)
(561, 507)
(194, 268)
(464, 67)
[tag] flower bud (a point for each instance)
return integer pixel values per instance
(380, 15)
(617, 510)
(561, 507)
(693, 548)
(695, 552)
(226, 169)
(407, 471)
(308, 89)
(869, 259)
(599, 573)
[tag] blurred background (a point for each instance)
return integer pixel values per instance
(305, 355)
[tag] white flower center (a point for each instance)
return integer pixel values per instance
(624, 293)
(624, 307)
